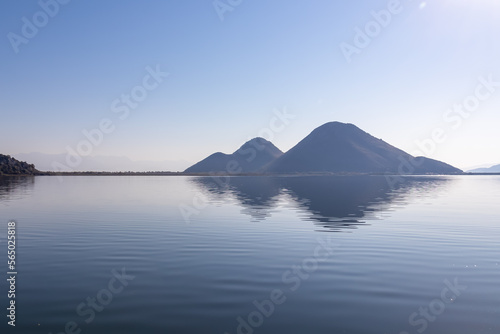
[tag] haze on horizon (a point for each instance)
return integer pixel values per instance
(212, 79)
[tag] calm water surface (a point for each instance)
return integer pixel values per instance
(254, 254)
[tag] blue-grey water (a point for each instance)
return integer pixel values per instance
(351, 254)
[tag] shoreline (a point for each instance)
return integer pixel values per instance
(228, 174)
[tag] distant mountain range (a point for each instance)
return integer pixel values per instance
(331, 148)
(492, 169)
(11, 166)
(44, 162)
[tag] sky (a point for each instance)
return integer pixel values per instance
(179, 80)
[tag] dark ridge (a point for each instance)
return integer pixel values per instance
(11, 166)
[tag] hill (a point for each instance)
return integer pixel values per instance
(11, 166)
(251, 157)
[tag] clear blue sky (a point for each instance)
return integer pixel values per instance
(227, 76)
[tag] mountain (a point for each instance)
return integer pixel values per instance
(492, 169)
(251, 157)
(431, 166)
(102, 163)
(344, 148)
(11, 166)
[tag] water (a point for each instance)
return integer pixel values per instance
(254, 254)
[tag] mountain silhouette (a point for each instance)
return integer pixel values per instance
(344, 148)
(492, 169)
(249, 158)
(331, 148)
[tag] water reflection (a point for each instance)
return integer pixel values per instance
(332, 202)
(12, 187)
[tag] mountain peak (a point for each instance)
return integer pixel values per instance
(337, 127)
(260, 144)
(259, 139)
(333, 124)
(251, 157)
(256, 141)
(344, 148)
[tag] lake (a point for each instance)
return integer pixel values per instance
(316, 254)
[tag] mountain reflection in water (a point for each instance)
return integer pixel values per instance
(332, 202)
